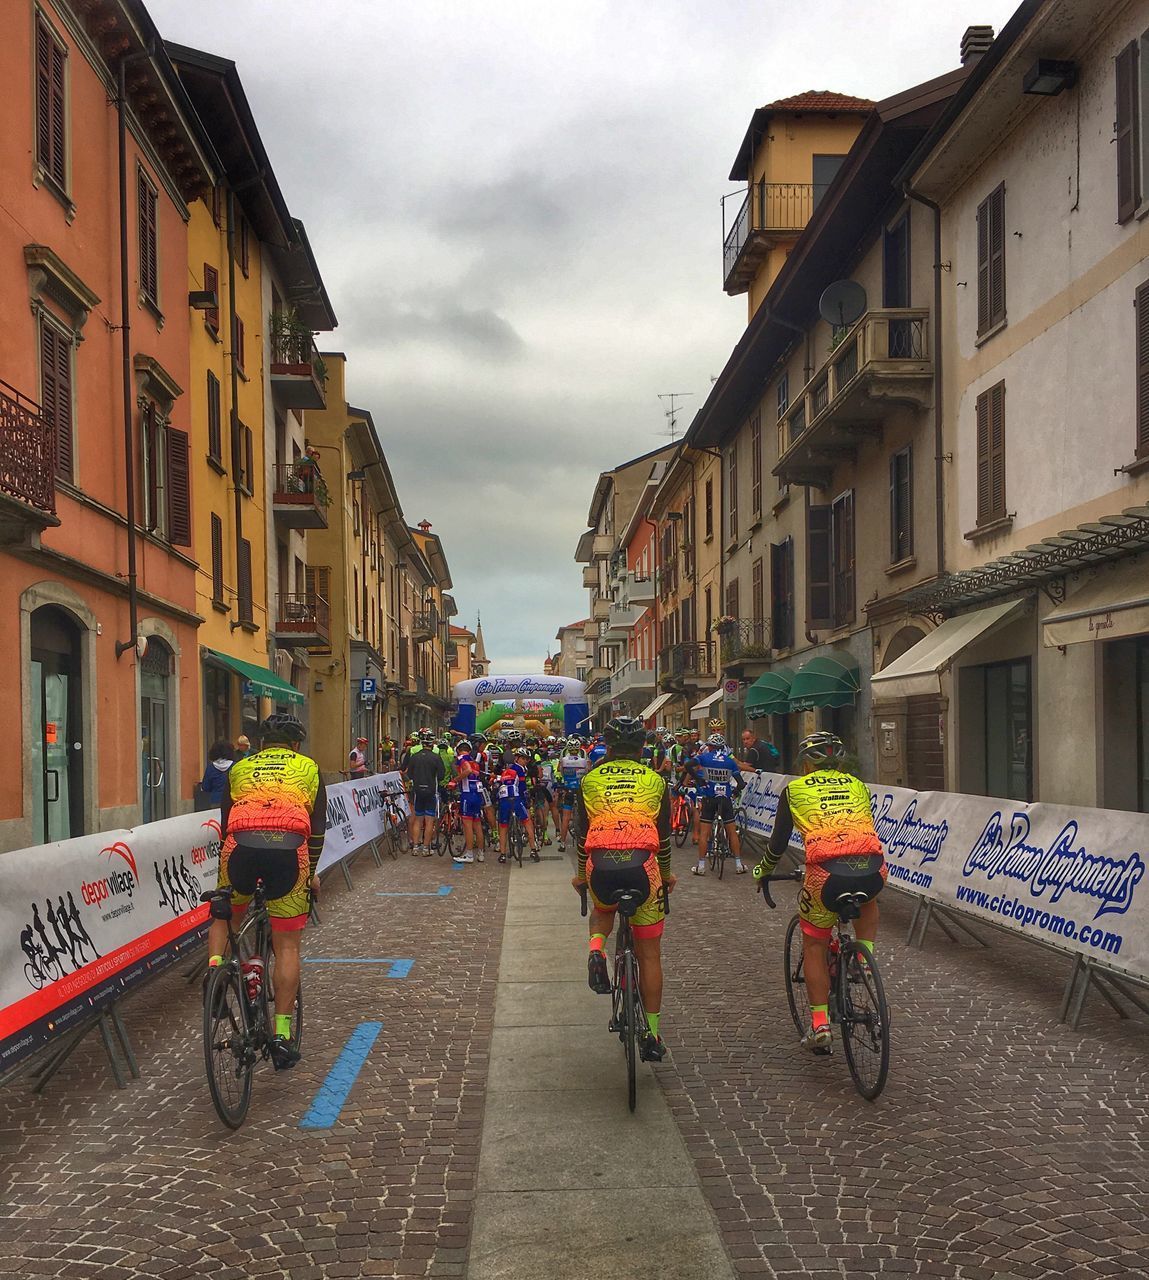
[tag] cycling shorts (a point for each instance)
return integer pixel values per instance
(608, 872)
(541, 794)
(472, 804)
(567, 798)
(509, 805)
(286, 876)
(717, 808)
(824, 881)
(425, 802)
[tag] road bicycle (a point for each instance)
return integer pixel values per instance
(857, 996)
(239, 1006)
(395, 828)
(448, 837)
(516, 838)
(719, 848)
(627, 1016)
(681, 818)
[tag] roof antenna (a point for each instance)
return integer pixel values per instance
(671, 414)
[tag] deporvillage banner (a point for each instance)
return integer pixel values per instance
(1067, 876)
(84, 920)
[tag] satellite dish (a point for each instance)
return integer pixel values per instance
(842, 303)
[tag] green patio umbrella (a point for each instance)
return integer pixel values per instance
(824, 682)
(769, 695)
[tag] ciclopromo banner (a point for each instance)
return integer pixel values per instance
(90, 917)
(1067, 876)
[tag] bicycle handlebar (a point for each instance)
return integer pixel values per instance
(796, 875)
(582, 895)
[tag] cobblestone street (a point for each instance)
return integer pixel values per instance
(1004, 1145)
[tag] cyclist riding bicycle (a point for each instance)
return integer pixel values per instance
(833, 814)
(715, 773)
(622, 831)
(273, 817)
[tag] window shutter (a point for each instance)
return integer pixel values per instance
(1127, 134)
(818, 585)
(216, 558)
(843, 558)
(146, 197)
(983, 267)
(243, 586)
(901, 506)
(56, 393)
(1142, 305)
(43, 95)
(997, 256)
(248, 461)
(732, 490)
(179, 488)
(319, 583)
(56, 167)
(237, 343)
(997, 450)
(211, 284)
(756, 465)
(732, 599)
(214, 421)
(757, 594)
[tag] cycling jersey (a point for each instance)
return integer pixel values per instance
(573, 768)
(715, 772)
(623, 805)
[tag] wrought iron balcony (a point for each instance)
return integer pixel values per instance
(27, 468)
(884, 359)
(300, 498)
(689, 662)
(303, 620)
(298, 374)
(771, 211)
(743, 641)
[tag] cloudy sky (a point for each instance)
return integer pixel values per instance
(515, 208)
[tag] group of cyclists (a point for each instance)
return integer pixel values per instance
(611, 794)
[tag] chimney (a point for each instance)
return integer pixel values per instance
(975, 43)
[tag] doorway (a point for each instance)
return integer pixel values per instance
(57, 727)
(1009, 730)
(155, 726)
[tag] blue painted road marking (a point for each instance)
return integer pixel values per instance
(440, 892)
(399, 968)
(333, 1092)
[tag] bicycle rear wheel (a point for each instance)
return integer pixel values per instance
(796, 994)
(681, 825)
(722, 849)
(630, 1027)
(226, 1044)
(518, 839)
(865, 1020)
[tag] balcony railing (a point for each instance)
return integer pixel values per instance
(770, 209)
(303, 619)
(685, 661)
(424, 625)
(637, 589)
(298, 373)
(300, 498)
(27, 466)
(746, 640)
(633, 674)
(884, 359)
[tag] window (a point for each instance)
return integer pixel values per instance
(756, 466)
(51, 104)
(782, 593)
(708, 512)
(216, 560)
(237, 338)
(901, 506)
(1128, 132)
(732, 489)
(824, 170)
(214, 422)
(757, 592)
(149, 261)
(211, 285)
(783, 395)
(1008, 730)
(246, 459)
(830, 563)
(151, 437)
(1141, 303)
(991, 261)
(56, 402)
(732, 599)
(991, 454)
(243, 589)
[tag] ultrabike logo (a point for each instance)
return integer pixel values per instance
(908, 834)
(499, 686)
(1025, 914)
(1061, 868)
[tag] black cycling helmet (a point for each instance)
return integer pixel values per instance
(822, 747)
(625, 733)
(281, 728)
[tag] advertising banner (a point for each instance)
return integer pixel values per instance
(355, 814)
(1066, 876)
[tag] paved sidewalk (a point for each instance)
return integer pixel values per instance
(571, 1184)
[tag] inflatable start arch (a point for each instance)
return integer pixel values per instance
(570, 694)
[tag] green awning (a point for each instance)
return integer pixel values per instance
(264, 683)
(769, 695)
(824, 682)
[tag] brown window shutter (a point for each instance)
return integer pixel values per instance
(57, 167)
(732, 599)
(179, 488)
(216, 558)
(43, 95)
(237, 343)
(243, 586)
(757, 594)
(149, 277)
(843, 559)
(983, 267)
(997, 449)
(756, 465)
(214, 421)
(56, 393)
(818, 582)
(996, 207)
(211, 284)
(732, 490)
(1142, 305)
(1127, 131)
(248, 461)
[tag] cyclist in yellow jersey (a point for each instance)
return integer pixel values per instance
(831, 810)
(622, 832)
(273, 817)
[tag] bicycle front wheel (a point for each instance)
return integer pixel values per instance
(226, 1044)
(681, 826)
(796, 993)
(865, 1020)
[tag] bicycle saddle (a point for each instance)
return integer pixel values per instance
(627, 901)
(848, 906)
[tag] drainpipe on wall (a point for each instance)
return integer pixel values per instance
(939, 439)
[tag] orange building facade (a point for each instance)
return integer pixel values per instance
(95, 484)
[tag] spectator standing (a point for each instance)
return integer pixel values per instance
(758, 755)
(213, 784)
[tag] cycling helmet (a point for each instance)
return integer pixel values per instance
(717, 724)
(281, 728)
(623, 732)
(716, 740)
(478, 739)
(462, 746)
(821, 747)
(521, 751)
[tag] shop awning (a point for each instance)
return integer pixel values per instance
(264, 683)
(699, 710)
(1111, 606)
(824, 682)
(769, 695)
(656, 706)
(918, 670)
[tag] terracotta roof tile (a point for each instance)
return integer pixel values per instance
(820, 100)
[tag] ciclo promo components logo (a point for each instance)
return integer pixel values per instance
(117, 883)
